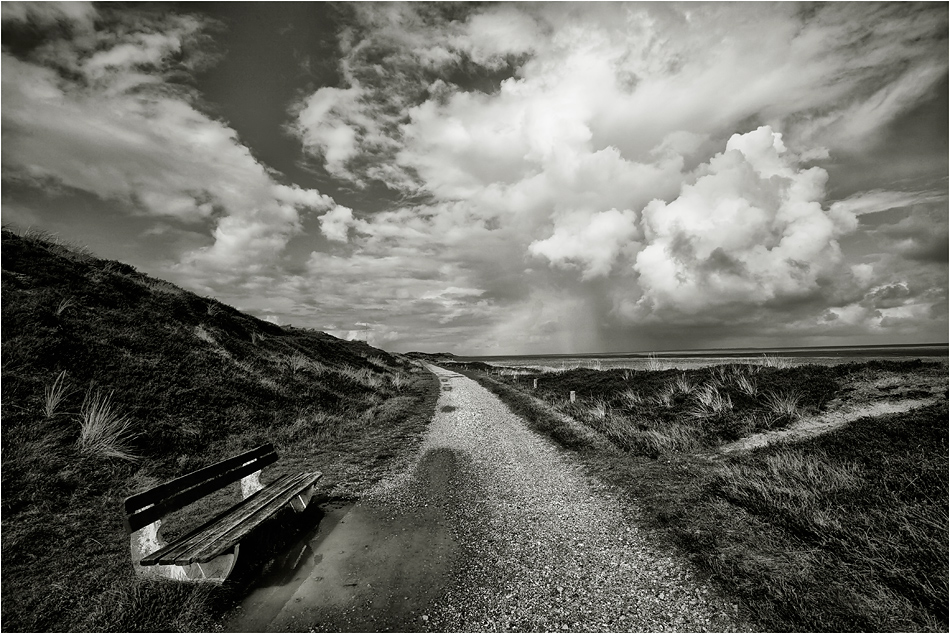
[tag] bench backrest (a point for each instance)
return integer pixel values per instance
(144, 508)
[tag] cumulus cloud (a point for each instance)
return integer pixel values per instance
(95, 110)
(750, 230)
(336, 223)
(603, 163)
(623, 76)
(591, 242)
(565, 176)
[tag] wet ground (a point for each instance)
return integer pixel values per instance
(374, 566)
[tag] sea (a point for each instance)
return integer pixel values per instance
(690, 359)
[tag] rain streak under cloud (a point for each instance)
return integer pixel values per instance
(502, 178)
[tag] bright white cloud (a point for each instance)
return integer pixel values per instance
(336, 223)
(583, 168)
(610, 152)
(79, 14)
(117, 129)
(591, 241)
(749, 230)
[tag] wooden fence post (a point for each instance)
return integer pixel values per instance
(535, 384)
(573, 396)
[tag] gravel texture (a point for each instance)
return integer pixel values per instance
(545, 547)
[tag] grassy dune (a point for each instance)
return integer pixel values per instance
(113, 381)
(846, 531)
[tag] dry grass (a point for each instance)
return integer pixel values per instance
(598, 410)
(297, 362)
(66, 302)
(664, 396)
(785, 405)
(631, 398)
(204, 335)
(103, 431)
(792, 480)
(54, 395)
(747, 385)
(709, 401)
(399, 381)
(775, 362)
(683, 385)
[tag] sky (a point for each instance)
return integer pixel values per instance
(500, 178)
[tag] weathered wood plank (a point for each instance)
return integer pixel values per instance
(162, 507)
(220, 534)
(138, 501)
(222, 542)
(173, 551)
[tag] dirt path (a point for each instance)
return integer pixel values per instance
(492, 529)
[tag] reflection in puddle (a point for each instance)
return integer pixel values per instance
(282, 577)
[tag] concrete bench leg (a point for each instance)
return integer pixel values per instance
(302, 500)
(147, 540)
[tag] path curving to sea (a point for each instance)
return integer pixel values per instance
(492, 528)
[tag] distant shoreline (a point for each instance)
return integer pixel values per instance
(883, 350)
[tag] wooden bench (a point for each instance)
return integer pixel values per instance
(209, 552)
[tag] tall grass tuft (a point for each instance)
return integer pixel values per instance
(664, 396)
(653, 364)
(598, 410)
(747, 385)
(66, 302)
(631, 398)
(684, 385)
(710, 402)
(785, 405)
(55, 394)
(103, 431)
(775, 362)
(398, 381)
(297, 362)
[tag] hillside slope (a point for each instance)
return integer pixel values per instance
(196, 381)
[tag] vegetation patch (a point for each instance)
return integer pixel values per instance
(841, 532)
(113, 382)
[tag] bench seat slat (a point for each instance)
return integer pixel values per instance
(223, 540)
(220, 534)
(215, 537)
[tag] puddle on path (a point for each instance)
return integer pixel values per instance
(278, 584)
(373, 566)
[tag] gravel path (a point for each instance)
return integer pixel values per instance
(545, 548)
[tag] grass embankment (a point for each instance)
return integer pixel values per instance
(114, 381)
(842, 532)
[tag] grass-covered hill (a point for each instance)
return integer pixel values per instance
(113, 381)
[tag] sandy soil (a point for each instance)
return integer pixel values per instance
(869, 393)
(492, 529)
